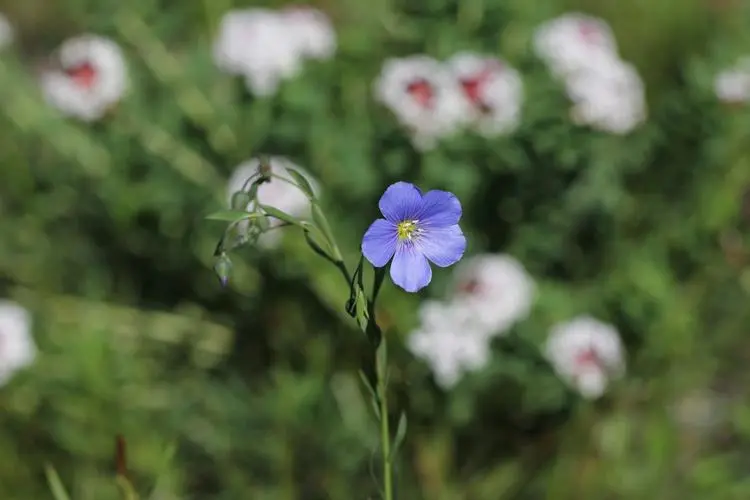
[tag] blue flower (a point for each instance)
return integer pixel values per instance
(417, 229)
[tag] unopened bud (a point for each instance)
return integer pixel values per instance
(223, 268)
(240, 200)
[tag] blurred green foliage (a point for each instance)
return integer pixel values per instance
(251, 392)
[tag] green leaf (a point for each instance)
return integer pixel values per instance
(317, 248)
(281, 215)
(322, 222)
(381, 359)
(127, 490)
(373, 395)
(366, 383)
(55, 484)
(400, 435)
(302, 183)
(231, 215)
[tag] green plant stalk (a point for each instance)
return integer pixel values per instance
(381, 381)
(385, 433)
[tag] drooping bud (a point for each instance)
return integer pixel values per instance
(223, 268)
(240, 200)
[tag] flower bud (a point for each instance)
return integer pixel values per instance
(223, 268)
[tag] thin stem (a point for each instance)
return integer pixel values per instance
(385, 434)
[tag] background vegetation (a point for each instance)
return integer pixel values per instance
(251, 392)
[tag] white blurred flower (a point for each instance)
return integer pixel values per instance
(6, 32)
(494, 90)
(494, 290)
(424, 96)
(609, 97)
(448, 343)
(257, 44)
(733, 84)
(312, 30)
(573, 42)
(17, 347)
(277, 193)
(586, 354)
(700, 410)
(92, 77)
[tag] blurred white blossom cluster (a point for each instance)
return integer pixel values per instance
(267, 46)
(586, 353)
(607, 92)
(732, 85)
(285, 196)
(6, 31)
(87, 77)
(433, 99)
(489, 295)
(17, 348)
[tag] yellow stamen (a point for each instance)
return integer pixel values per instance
(406, 229)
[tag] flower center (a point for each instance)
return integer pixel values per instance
(589, 31)
(422, 92)
(474, 87)
(470, 287)
(588, 358)
(84, 75)
(407, 229)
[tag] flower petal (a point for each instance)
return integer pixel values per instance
(401, 201)
(443, 246)
(379, 242)
(440, 208)
(410, 269)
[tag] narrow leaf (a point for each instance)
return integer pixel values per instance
(55, 484)
(367, 384)
(231, 215)
(381, 359)
(281, 215)
(126, 489)
(302, 183)
(322, 222)
(400, 435)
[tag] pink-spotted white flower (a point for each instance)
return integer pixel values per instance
(255, 43)
(424, 96)
(312, 30)
(608, 97)
(17, 347)
(494, 290)
(574, 41)
(586, 353)
(494, 90)
(6, 32)
(285, 196)
(267, 46)
(92, 77)
(732, 85)
(448, 343)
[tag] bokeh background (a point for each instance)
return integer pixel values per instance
(251, 391)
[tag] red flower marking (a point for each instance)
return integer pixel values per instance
(474, 86)
(421, 91)
(470, 287)
(84, 75)
(590, 31)
(588, 358)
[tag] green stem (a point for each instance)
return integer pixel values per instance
(385, 434)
